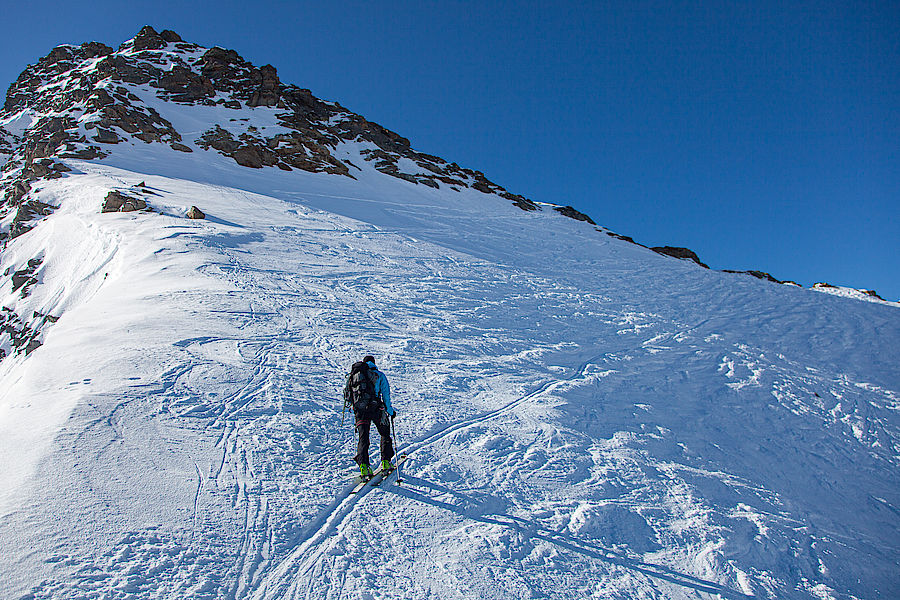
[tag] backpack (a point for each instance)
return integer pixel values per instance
(361, 394)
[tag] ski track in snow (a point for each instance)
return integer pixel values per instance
(292, 576)
(567, 436)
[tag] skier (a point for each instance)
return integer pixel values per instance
(368, 393)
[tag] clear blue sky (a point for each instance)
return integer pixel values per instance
(763, 135)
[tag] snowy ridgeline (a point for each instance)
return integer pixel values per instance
(585, 418)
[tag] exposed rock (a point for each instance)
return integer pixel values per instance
(47, 136)
(148, 39)
(26, 212)
(44, 168)
(517, 200)
(16, 192)
(159, 60)
(624, 238)
(119, 68)
(25, 278)
(483, 187)
(49, 318)
(220, 139)
(570, 212)
(84, 153)
(866, 293)
(21, 337)
(356, 126)
(248, 156)
(231, 73)
(170, 36)
(60, 60)
(220, 64)
(19, 279)
(6, 142)
(195, 213)
(116, 201)
(105, 136)
(525, 204)
(183, 85)
(683, 253)
(267, 87)
(144, 123)
(758, 274)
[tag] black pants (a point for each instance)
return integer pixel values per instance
(384, 429)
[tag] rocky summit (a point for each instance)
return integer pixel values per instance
(83, 100)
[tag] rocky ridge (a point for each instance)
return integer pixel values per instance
(85, 101)
(79, 102)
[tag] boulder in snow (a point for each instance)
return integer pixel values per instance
(195, 213)
(119, 202)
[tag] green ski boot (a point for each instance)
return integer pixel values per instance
(386, 466)
(365, 471)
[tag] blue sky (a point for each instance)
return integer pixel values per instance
(762, 135)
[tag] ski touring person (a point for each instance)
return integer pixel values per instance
(368, 393)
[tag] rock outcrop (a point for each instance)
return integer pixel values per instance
(107, 83)
(570, 212)
(116, 201)
(682, 253)
(758, 274)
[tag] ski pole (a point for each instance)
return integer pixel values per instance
(396, 448)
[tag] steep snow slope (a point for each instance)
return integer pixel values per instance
(584, 418)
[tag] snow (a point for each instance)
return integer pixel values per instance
(18, 123)
(584, 418)
(848, 292)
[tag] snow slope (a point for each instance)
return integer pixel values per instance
(584, 418)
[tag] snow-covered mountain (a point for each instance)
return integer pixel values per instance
(584, 417)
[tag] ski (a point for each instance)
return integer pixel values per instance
(377, 475)
(400, 460)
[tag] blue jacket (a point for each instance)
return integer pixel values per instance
(382, 388)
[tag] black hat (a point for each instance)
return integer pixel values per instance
(369, 358)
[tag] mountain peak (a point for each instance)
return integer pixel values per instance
(148, 39)
(81, 101)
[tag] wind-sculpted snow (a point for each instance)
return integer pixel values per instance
(584, 418)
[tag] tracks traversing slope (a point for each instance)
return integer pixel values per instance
(286, 579)
(291, 577)
(637, 461)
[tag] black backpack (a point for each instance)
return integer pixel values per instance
(361, 394)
